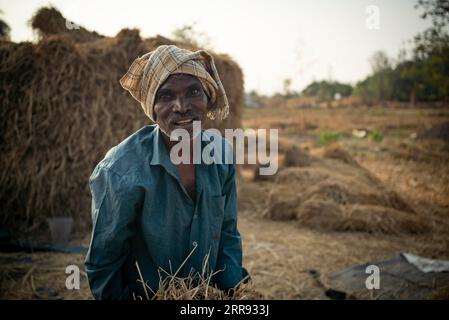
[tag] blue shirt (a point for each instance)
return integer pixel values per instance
(142, 212)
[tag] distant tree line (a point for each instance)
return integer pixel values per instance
(423, 76)
(327, 90)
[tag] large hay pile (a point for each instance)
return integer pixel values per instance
(334, 193)
(62, 108)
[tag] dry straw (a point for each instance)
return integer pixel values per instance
(62, 108)
(335, 193)
(196, 286)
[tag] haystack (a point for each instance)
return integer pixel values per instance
(296, 157)
(49, 21)
(335, 193)
(63, 109)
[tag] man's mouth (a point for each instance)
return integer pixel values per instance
(184, 122)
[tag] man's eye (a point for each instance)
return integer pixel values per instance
(165, 96)
(195, 92)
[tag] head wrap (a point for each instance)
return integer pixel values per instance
(148, 72)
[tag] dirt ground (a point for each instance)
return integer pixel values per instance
(279, 254)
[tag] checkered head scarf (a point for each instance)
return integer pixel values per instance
(148, 72)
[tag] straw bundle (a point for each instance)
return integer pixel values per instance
(337, 194)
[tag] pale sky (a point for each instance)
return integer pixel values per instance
(272, 40)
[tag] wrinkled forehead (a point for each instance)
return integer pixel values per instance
(179, 81)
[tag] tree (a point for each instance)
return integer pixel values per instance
(380, 62)
(325, 90)
(423, 77)
(438, 10)
(431, 51)
(287, 86)
(4, 29)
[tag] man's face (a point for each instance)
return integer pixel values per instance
(180, 101)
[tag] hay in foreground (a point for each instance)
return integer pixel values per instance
(196, 286)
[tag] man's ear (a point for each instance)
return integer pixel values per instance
(209, 104)
(154, 114)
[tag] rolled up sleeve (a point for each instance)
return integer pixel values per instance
(113, 214)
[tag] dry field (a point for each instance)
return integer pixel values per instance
(280, 254)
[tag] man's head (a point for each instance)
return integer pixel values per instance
(151, 71)
(179, 101)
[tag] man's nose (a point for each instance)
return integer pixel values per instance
(180, 105)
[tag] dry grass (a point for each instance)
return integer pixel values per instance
(196, 286)
(336, 194)
(40, 276)
(279, 255)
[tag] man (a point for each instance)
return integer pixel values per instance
(149, 211)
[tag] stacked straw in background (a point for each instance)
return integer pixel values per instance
(62, 109)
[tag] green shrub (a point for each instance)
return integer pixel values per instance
(327, 137)
(376, 136)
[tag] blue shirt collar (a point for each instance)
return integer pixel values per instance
(161, 156)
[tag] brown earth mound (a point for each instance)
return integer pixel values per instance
(336, 194)
(296, 157)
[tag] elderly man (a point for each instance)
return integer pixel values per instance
(150, 212)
